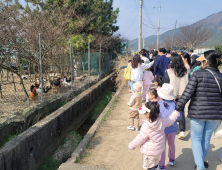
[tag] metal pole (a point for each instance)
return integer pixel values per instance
(41, 76)
(143, 37)
(71, 60)
(140, 25)
(174, 35)
(100, 51)
(89, 60)
(158, 29)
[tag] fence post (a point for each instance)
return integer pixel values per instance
(0, 87)
(89, 61)
(107, 59)
(41, 76)
(83, 68)
(71, 64)
(100, 50)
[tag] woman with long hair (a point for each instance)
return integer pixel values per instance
(205, 109)
(137, 68)
(186, 61)
(177, 76)
(195, 65)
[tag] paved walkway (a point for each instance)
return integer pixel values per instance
(109, 147)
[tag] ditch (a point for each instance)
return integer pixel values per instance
(72, 140)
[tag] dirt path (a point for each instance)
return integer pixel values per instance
(109, 147)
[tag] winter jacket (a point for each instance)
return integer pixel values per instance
(202, 89)
(137, 73)
(152, 136)
(166, 112)
(194, 69)
(161, 64)
(135, 101)
(147, 77)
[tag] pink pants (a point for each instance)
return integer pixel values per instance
(171, 142)
(145, 90)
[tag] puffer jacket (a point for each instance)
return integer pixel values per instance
(202, 89)
(135, 101)
(152, 136)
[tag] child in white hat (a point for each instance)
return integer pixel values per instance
(134, 104)
(151, 138)
(167, 106)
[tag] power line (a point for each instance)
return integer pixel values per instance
(157, 27)
(149, 17)
(132, 22)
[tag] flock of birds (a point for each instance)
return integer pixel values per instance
(54, 84)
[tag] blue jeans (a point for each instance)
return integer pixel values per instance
(201, 132)
(131, 85)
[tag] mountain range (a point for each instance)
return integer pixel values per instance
(213, 22)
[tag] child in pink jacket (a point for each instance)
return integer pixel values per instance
(151, 138)
(147, 81)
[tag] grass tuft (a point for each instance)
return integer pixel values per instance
(51, 164)
(10, 137)
(61, 104)
(101, 105)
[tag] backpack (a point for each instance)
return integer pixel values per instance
(127, 74)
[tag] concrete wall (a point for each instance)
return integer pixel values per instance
(29, 150)
(29, 116)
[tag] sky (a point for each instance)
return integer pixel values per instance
(184, 11)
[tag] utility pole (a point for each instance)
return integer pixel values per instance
(173, 35)
(143, 37)
(140, 26)
(158, 27)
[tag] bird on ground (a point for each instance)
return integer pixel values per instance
(33, 93)
(83, 78)
(53, 74)
(57, 82)
(24, 77)
(46, 90)
(56, 85)
(66, 82)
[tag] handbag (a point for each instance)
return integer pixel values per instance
(218, 130)
(127, 74)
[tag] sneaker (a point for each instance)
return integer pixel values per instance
(205, 164)
(220, 156)
(137, 129)
(161, 168)
(131, 128)
(172, 162)
(181, 135)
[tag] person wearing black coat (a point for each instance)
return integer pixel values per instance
(205, 109)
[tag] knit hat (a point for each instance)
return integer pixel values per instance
(137, 86)
(166, 92)
(143, 110)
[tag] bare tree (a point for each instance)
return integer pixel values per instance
(168, 41)
(192, 36)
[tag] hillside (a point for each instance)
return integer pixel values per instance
(213, 22)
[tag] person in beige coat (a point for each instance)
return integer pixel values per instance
(134, 104)
(177, 76)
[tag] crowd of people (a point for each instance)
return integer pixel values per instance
(180, 79)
